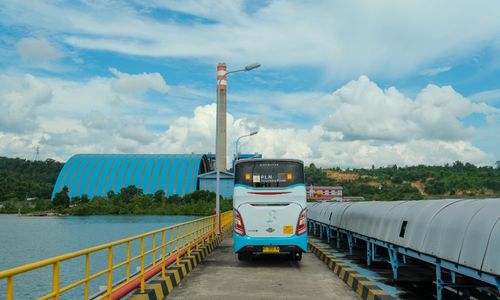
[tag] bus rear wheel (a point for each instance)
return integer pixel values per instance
(242, 256)
(296, 256)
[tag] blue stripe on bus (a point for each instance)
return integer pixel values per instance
(295, 240)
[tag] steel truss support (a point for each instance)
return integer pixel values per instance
(397, 253)
(393, 260)
(371, 253)
(328, 232)
(441, 284)
(349, 242)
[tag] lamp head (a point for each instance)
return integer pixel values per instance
(254, 132)
(252, 66)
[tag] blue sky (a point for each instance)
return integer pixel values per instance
(346, 84)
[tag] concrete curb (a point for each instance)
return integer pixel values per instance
(160, 288)
(364, 287)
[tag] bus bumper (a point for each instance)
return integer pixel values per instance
(241, 243)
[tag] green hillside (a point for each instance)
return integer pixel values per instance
(416, 182)
(21, 179)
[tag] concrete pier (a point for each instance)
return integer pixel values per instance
(222, 276)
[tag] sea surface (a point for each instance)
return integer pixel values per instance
(26, 239)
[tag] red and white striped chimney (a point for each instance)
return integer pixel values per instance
(221, 76)
(221, 115)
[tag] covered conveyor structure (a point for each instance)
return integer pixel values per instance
(97, 174)
(459, 236)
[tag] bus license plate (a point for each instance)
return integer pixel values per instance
(270, 249)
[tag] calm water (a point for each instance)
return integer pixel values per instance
(28, 239)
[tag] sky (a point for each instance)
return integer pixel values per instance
(342, 83)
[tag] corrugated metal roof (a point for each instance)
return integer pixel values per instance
(97, 174)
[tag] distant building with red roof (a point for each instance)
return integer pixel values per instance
(324, 193)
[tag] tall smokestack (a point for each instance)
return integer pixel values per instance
(221, 116)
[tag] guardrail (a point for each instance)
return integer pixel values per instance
(155, 249)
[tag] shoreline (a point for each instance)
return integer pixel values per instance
(42, 214)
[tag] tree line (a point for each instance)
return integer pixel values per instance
(22, 180)
(400, 183)
(132, 201)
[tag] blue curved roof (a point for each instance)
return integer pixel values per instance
(97, 174)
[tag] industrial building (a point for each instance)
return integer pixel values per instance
(97, 174)
(181, 174)
(329, 193)
(208, 182)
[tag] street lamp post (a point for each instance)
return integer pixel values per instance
(238, 140)
(217, 142)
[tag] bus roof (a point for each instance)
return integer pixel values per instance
(269, 159)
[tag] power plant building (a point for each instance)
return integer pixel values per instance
(97, 174)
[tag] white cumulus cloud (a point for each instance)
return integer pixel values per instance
(435, 71)
(138, 83)
(37, 50)
(362, 110)
(365, 125)
(19, 100)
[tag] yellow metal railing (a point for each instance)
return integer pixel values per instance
(166, 245)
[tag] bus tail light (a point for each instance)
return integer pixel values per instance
(239, 227)
(301, 223)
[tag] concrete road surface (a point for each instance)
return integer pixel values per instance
(222, 276)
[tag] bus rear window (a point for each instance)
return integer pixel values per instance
(269, 174)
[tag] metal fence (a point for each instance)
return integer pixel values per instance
(151, 253)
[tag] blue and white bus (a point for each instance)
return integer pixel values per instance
(269, 204)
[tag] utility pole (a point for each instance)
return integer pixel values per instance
(37, 152)
(220, 130)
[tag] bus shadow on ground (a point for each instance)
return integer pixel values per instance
(268, 260)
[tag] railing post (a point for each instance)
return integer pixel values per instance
(142, 265)
(214, 232)
(203, 232)
(170, 242)
(110, 271)
(87, 274)
(197, 234)
(55, 280)
(154, 249)
(190, 237)
(214, 224)
(10, 288)
(177, 260)
(163, 245)
(128, 263)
